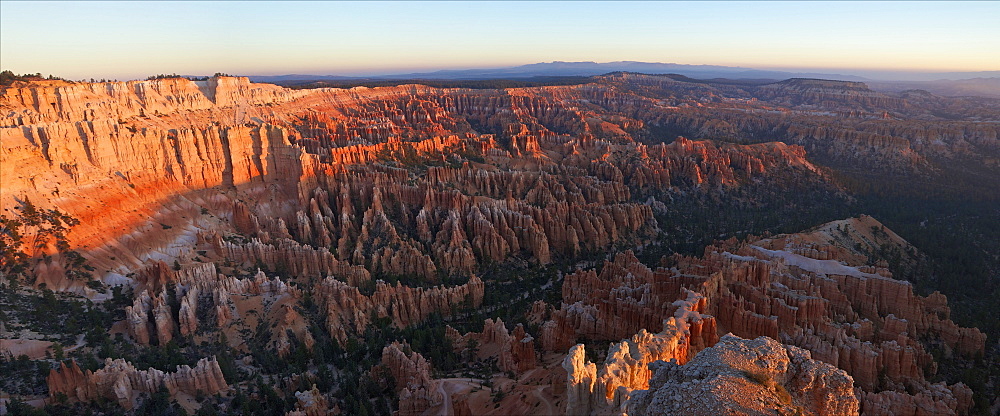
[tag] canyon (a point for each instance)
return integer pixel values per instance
(238, 236)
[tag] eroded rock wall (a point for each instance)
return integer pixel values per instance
(118, 380)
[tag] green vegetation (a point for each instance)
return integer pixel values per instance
(190, 78)
(689, 222)
(759, 378)
(63, 316)
(21, 375)
(28, 234)
(7, 77)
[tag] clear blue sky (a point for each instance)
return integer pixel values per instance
(135, 39)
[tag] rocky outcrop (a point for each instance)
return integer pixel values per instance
(187, 317)
(597, 389)
(517, 354)
(137, 318)
(292, 258)
(938, 399)
(119, 381)
(749, 377)
(150, 319)
(312, 403)
(623, 299)
(795, 298)
(580, 378)
(290, 325)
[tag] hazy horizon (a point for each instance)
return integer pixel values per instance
(132, 40)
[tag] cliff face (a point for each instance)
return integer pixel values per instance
(118, 380)
(33, 104)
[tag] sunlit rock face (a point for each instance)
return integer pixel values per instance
(750, 377)
(395, 180)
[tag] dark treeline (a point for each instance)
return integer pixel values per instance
(8, 77)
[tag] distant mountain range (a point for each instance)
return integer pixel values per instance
(558, 68)
(982, 87)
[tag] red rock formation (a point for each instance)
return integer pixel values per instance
(939, 399)
(321, 183)
(149, 319)
(798, 297)
(154, 313)
(137, 318)
(146, 143)
(559, 180)
(292, 258)
(580, 378)
(626, 297)
(515, 352)
(187, 318)
(417, 390)
(121, 382)
(349, 311)
(97, 101)
(517, 355)
(289, 321)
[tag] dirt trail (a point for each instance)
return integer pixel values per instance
(549, 409)
(448, 387)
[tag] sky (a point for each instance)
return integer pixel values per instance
(129, 40)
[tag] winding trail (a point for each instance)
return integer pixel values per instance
(448, 387)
